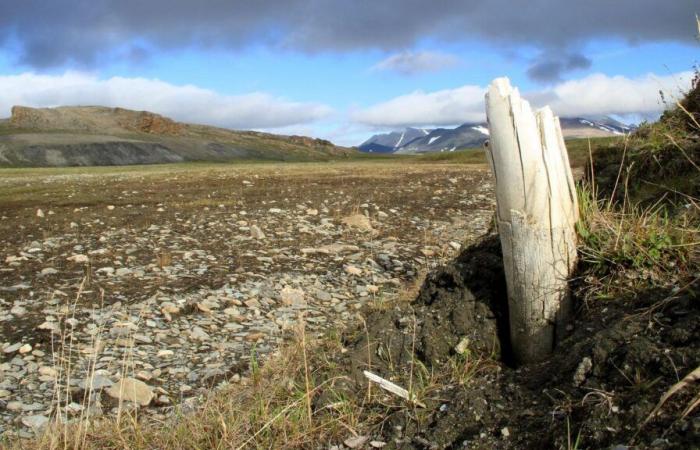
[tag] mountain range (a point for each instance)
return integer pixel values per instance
(469, 135)
(96, 135)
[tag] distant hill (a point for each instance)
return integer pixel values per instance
(95, 135)
(475, 134)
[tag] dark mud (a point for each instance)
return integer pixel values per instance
(595, 391)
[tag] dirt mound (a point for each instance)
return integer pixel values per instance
(659, 161)
(597, 388)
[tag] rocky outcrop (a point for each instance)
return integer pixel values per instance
(147, 122)
(93, 119)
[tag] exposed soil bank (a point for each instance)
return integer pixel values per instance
(597, 388)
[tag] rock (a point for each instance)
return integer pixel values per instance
(584, 367)
(48, 271)
(169, 308)
(131, 390)
(377, 444)
(35, 422)
(359, 221)
(78, 258)
(462, 348)
(26, 348)
(122, 271)
(232, 311)
(4, 393)
(256, 232)
(50, 326)
(352, 270)
(505, 432)
(292, 297)
(18, 311)
(199, 334)
(356, 441)
(39, 213)
(12, 348)
(106, 270)
(14, 406)
(47, 371)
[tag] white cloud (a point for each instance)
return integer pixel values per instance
(186, 103)
(410, 63)
(596, 94)
(447, 107)
(602, 94)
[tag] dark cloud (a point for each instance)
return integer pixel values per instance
(82, 32)
(549, 69)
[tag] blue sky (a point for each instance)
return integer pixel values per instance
(344, 83)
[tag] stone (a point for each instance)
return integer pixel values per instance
(358, 221)
(18, 311)
(106, 270)
(26, 348)
(95, 383)
(199, 334)
(78, 258)
(256, 232)
(582, 371)
(12, 348)
(462, 347)
(352, 270)
(292, 297)
(47, 371)
(131, 390)
(36, 422)
(48, 271)
(356, 441)
(14, 406)
(39, 213)
(50, 326)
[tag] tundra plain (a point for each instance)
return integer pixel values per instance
(179, 277)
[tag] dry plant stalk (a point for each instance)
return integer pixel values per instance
(685, 382)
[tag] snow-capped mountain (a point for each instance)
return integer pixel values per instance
(469, 135)
(390, 142)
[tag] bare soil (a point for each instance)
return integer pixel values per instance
(595, 391)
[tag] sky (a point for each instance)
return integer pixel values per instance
(344, 70)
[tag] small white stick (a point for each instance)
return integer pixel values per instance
(393, 388)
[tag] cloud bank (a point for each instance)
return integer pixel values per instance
(593, 95)
(80, 33)
(186, 103)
